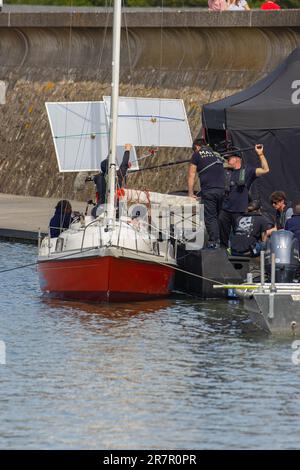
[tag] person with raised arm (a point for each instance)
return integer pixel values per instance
(238, 179)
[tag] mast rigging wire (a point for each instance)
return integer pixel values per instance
(179, 162)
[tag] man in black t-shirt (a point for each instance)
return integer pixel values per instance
(238, 180)
(209, 166)
(250, 232)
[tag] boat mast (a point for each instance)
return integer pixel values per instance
(114, 113)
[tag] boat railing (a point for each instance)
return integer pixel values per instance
(154, 248)
(119, 235)
(49, 242)
(123, 223)
(39, 239)
(136, 240)
(85, 229)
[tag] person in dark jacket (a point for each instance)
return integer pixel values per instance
(61, 219)
(209, 166)
(100, 178)
(293, 223)
(250, 232)
(283, 209)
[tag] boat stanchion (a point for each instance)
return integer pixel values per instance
(39, 238)
(49, 242)
(273, 270)
(262, 270)
(271, 305)
(272, 288)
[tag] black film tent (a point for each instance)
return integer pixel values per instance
(269, 113)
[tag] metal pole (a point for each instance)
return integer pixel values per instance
(39, 239)
(231, 152)
(271, 305)
(272, 288)
(114, 113)
(49, 241)
(262, 270)
(273, 267)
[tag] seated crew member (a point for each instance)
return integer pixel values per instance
(209, 166)
(250, 232)
(61, 219)
(238, 180)
(284, 210)
(100, 178)
(293, 223)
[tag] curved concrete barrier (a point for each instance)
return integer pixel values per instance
(53, 54)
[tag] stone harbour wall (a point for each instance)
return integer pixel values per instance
(61, 54)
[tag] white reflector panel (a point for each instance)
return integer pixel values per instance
(80, 134)
(147, 122)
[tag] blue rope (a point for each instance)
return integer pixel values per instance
(90, 134)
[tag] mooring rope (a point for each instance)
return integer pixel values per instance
(90, 249)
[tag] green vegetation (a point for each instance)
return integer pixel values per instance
(144, 3)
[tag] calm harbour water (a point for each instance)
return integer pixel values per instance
(175, 373)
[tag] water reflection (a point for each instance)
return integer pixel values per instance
(117, 310)
(173, 373)
(219, 316)
(112, 319)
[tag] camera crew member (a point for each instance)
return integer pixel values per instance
(238, 180)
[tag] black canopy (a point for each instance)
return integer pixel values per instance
(267, 104)
(269, 113)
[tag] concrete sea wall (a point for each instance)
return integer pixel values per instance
(60, 54)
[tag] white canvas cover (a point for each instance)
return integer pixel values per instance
(80, 135)
(147, 122)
